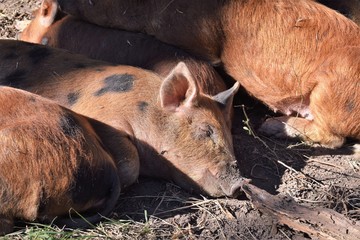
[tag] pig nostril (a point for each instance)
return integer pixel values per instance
(235, 189)
(235, 192)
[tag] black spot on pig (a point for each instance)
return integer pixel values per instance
(69, 125)
(143, 106)
(73, 97)
(116, 83)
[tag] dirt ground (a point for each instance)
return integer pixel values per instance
(154, 209)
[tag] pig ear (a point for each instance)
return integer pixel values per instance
(48, 12)
(225, 100)
(179, 89)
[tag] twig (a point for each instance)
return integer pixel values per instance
(252, 235)
(161, 201)
(284, 234)
(325, 163)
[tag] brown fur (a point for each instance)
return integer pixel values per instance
(51, 161)
(283, 52)
(164, 134)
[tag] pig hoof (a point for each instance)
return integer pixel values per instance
(273, 127)
(356, 152)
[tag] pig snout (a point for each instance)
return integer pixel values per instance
(226, 182)
(230, 180)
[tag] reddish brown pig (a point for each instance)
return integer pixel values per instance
(173, 130)
(51, 163)
(50, 28)
(283, 52)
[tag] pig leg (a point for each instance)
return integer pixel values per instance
(127, 160)
(6, 225)
(123, 150)
(293, 127)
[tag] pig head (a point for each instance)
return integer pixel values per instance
(195, 140)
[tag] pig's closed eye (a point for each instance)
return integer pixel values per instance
(205, 131)
(209, 131)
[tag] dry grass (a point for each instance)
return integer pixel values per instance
(212, 211)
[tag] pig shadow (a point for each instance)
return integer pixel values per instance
(264, 159)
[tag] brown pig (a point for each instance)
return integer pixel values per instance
(173, 130)
(297, 56)
(50, 27)
(52, 164)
